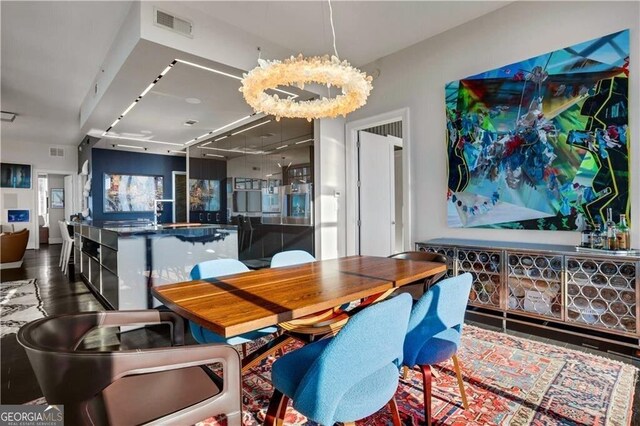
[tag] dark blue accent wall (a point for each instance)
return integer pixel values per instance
(132, 163)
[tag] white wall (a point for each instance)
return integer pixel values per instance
(329, 164)
(415, 78)
(36, 154)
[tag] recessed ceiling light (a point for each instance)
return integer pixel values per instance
(306, 140)
(193, 101)
(249, 128)
(129, 146)
(219, 139)
(281, 147)
(214, 155)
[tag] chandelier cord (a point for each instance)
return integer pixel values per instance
(333, 29)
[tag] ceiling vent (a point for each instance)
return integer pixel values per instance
(8, 116)
(173, 23)
(55, 151)
(190, 122)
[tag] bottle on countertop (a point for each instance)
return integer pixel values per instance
(612, 241)
(586, 236)
(596, 237)
(623, 236)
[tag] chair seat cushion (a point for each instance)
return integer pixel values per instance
(439, 348)
(203, 335)
(138, 399)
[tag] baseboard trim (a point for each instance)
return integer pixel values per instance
(11, 265)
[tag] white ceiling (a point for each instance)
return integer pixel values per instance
(51, 51)
(365, 30)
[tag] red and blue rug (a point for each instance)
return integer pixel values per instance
(509, 381)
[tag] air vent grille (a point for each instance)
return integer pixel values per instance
(55, 151)
(173, 23)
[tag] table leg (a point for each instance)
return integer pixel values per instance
(261, 353)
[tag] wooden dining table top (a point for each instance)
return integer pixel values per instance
(240, 303)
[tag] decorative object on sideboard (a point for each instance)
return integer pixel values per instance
(543, 143)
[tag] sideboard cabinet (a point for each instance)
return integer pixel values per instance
(553, 285)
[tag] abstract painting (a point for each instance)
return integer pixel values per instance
(17, 216)
(204, 195)
(131, 193)
(57, 198)
(543, 143)
(15, 175)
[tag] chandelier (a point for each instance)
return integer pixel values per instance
(297, 71)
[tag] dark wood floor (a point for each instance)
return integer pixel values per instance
(60, 295)
(63, 295)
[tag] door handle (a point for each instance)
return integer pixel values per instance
(201, 217)
(208, 217)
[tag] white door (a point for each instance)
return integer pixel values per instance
(377, 205)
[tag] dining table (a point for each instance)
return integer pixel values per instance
(248, 301)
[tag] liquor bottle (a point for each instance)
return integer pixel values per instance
(624, 240)
(596, 237)
(586, 236)
(612, 242)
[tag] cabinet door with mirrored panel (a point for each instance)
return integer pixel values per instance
(602, 293)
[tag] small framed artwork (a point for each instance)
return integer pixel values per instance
(57, 198)
(17, 216)
(15, 175)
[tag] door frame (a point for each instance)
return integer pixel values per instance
(173, 194)
(353, 201)
(34, 186)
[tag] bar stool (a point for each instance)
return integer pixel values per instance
(67, 246)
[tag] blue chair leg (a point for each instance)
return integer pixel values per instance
(277, 409)
(395, 414)
(426, 380)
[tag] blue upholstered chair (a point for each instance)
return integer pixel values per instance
(347, 377)
(217, 268)
(434, 332)
(291, 257)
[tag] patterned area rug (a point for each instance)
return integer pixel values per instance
(509, 381)
(20, 303)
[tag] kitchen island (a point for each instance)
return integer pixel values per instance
(121, 262)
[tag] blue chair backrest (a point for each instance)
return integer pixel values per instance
(291, 257)
(217, 268)
(441, 308)
(369, 342)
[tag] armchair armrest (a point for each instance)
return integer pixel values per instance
(228, 401)
(142, 317)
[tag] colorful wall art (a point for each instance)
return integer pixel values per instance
(543, 143)
(15, 175)
(204, 195)
(131, 193)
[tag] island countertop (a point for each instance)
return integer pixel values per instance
(134, 228)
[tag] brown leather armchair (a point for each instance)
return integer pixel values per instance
(13, 246)
(168, 385)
